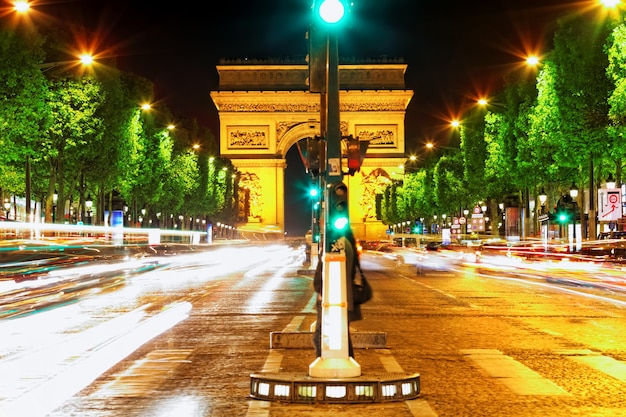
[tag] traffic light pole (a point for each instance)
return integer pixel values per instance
(335, 361)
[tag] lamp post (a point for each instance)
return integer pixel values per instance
(89, 205)
(7, 208)
(573, 192)
(55, 198)
(542, 199)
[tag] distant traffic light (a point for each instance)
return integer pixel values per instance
(314, 154)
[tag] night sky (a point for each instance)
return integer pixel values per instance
(455, 50)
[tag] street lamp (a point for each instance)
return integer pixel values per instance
(7, 208)
(573, 192)
(55, 198)
(543, 197)
(89, 205)
(23, 7)
(610, 182)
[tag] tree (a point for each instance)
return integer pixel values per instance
(582, 89)
(616, 72)
(450, 186)
(24, 114)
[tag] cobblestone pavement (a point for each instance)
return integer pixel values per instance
(482, 347)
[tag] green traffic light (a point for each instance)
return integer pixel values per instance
(331, 11)
(340, 223)
(562, 218)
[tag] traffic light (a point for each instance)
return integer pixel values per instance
(316, 58)
(313, 152)
(338, 222)
(327, 15)
(562, 216)
(330, 12)
(355, 150)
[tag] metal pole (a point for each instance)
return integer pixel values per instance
(335, 361)
(591, 227)
(28, 219)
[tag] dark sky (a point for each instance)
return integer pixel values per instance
(456, 50)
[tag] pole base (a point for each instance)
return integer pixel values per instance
(334, 368)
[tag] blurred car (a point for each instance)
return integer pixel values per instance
(400, 255)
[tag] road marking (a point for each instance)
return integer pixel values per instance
(389, 362)
(310, 306)
(258, 408)
(295, 324)
(418, 407)
(140, 378)
(517, 377)
(605, 364)
(273, 362)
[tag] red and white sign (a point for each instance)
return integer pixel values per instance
(609, 205)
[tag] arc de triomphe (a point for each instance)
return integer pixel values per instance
(264, 109)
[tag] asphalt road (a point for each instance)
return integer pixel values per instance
(483, 345)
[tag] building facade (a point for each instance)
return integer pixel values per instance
(265, 109)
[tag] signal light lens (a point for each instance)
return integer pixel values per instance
(331, 11)
(340, 223)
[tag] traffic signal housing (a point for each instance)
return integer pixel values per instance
(355, 152)
(316, 58)
(338, 221)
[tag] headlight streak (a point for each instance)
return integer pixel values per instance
(527, 281)
(165, 272)
(34, 388)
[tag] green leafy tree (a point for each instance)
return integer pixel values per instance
(582, 89)
(474, 153)
(616, 72)
(450, 187)
(24, 114)
(73, 102)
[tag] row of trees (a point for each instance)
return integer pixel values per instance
(563, 125)
(69, 132)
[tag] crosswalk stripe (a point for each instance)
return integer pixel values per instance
(516, 376)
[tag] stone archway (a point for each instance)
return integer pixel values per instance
(265, 109)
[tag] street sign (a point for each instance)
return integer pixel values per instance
(609, 205)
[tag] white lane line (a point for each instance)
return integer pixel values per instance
(273, 362)
(257, 408)
(516, 376)
(310, 306)
(605, 364)
(389, 362)
(418, 407)
(295, 324)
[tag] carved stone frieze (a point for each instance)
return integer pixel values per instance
(248, 137)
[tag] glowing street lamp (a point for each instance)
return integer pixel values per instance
(610, 4)
(21, 6)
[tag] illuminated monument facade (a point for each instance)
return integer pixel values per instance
(265, 109)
